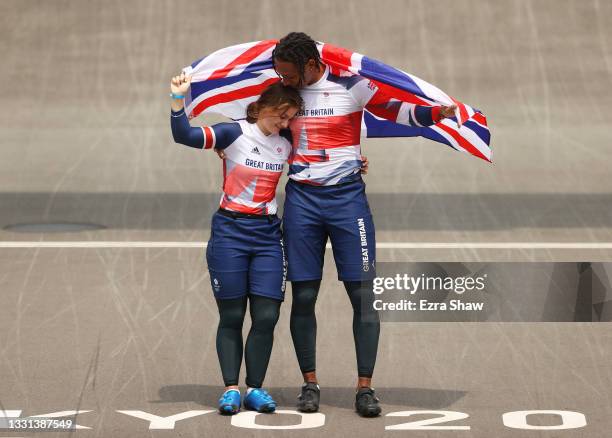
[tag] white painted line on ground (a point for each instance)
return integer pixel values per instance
(379, 245)
(494, 245)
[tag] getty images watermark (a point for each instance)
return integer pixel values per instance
(409, 284)
(491, 291)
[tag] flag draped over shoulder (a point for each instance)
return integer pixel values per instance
(226, 81)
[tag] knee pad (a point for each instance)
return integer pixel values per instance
(231, 313)
(304, 296)
(264, 313)
(361, 294)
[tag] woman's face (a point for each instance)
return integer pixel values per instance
(271, 120)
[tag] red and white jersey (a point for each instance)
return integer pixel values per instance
(252, 166)
(327, 133)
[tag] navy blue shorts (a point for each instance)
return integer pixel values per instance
(342, 213)
(246, 256)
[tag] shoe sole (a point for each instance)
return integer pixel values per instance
(308, 408)
(266, 409)
(370, 412)
(229, 410)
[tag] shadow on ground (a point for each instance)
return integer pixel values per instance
(207, 395)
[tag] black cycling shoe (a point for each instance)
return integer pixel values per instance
(366, 403)
(308, 400)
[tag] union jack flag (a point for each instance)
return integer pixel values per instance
(226, 81)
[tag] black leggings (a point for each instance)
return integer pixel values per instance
(264, 315)
(366, 324)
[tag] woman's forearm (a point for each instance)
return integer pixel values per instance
(183, 132)
(177, 104)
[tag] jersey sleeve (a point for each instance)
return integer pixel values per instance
(218, 136)
(361, 89)
(183, 133)
(384, 106)
(221, 135)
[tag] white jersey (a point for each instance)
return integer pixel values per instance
(252, 166)
(327, 133)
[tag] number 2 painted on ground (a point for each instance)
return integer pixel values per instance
(429, 423)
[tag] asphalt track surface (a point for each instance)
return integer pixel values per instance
(84, 138)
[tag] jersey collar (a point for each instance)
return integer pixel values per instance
(257, 132)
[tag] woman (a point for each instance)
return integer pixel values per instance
(245, 252)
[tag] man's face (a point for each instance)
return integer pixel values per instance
(290, 74)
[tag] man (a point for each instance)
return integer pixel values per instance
(325, 197)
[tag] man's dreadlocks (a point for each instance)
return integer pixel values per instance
(297, 48)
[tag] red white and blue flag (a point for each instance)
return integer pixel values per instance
(226, 81)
